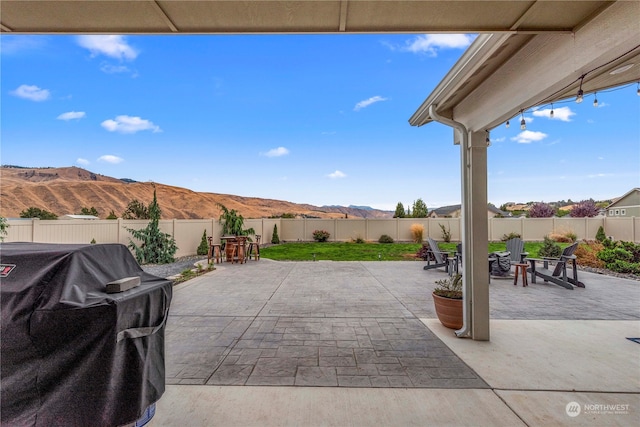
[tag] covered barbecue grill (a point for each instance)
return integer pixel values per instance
(71, 353)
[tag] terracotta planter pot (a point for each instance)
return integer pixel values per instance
(449, 311)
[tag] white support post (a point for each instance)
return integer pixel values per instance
(476, 233)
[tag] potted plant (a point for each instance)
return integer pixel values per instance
(447, 298)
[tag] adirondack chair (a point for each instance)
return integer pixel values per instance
(559, 273)
(440, 258)
(516, 247)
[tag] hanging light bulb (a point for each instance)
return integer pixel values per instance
(580, 92)
(638, 92)
(507, 124)
(487, 139)
(551, 113)
(523, 122)
(595, 101)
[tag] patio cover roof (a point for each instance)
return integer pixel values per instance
(502, 74)
(319, 16)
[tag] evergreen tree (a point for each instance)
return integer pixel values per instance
(203, 249)
(600, 236)
(275, 239)
(112, 215)
(399, 211)
(420, 209)
(157, 247)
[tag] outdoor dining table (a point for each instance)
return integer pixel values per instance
(229, 242)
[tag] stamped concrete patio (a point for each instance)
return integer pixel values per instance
(365, 329)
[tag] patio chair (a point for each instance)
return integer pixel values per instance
(559, 274)
(440, 258)
(516, 248)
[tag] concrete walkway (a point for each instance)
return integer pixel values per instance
(357, 343)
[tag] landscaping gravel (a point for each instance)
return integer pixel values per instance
(177, 267)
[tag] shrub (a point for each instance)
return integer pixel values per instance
(385, 239)
(33, 212)
(600, 236)
(622, 257)
(358, 239)
(587, 254)
(512, 235)
(563, 236)
(203, 249)
(541, 210)
(549, 249)
(3, 227)
(275, 239)
(321, 235)
(417, 231)
(446, 233)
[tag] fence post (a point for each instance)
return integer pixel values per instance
(35, 223)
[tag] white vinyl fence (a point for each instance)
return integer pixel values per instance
(188, 232)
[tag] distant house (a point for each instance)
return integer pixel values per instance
(455, 211)
(626, 206)
(71, 216)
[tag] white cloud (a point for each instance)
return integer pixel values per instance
(337, 174)
(501, 139)
(363, 104)
(113, 46)
(72, 115)
(277, 152)
(431, 43)
(114, 69)
(82, 161)
(17, 44)
(33, 93)
(563, 113)
(128, 124)
(108, 158)
(529, 136)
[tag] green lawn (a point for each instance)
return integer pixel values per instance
(348, 251)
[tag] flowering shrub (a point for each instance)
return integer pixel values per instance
(541, 210)
(321, 235)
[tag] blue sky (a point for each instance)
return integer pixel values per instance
(319, 119)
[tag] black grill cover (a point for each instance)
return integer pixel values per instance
(71, 354)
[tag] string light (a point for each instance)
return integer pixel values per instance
(580, 92)
(551, 113)
(595, 101)
(487, 139)
(508, 124)
(523, 122)
(637, 92)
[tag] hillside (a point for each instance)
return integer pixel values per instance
(67, 190)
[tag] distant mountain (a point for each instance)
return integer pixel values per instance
(67, 190)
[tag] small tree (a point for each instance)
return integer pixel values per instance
(399, 211)
(541, 210)
(203, 249)
(549, 249)
(3, 228)
(585, 209)
(157, 247)
(446, 233)
(112, 215)
(33, 212)
(420, 209)
(600, 236)
(232, 222)
(137, 210)
(275, 239)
